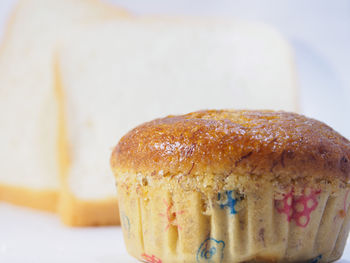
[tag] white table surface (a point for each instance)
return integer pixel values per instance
(320, 34)
(30, 236)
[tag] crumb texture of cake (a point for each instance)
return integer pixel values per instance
(233, 186)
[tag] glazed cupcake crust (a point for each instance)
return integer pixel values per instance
(261, 144)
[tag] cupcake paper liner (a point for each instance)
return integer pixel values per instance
(160, 226)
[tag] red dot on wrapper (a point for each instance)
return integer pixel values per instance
(299, 207)
(303, 220)
(310, 203)
(342, 213)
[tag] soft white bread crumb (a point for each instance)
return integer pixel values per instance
(28, 133)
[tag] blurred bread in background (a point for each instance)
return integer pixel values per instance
(85, 84)
(29, 113)
(117, 75)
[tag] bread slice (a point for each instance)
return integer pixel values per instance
(117, 75)
(28, 105)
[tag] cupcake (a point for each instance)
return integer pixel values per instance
(233, 186)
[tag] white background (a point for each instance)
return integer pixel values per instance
(319, 31)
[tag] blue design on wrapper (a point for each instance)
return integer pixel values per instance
(210, 251)
(230, 203)
(126, 223)
(316, 259)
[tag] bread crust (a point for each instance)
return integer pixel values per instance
(45, 200)
(82, 213)
(274, 145)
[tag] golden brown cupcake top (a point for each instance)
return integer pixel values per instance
(273, 145)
